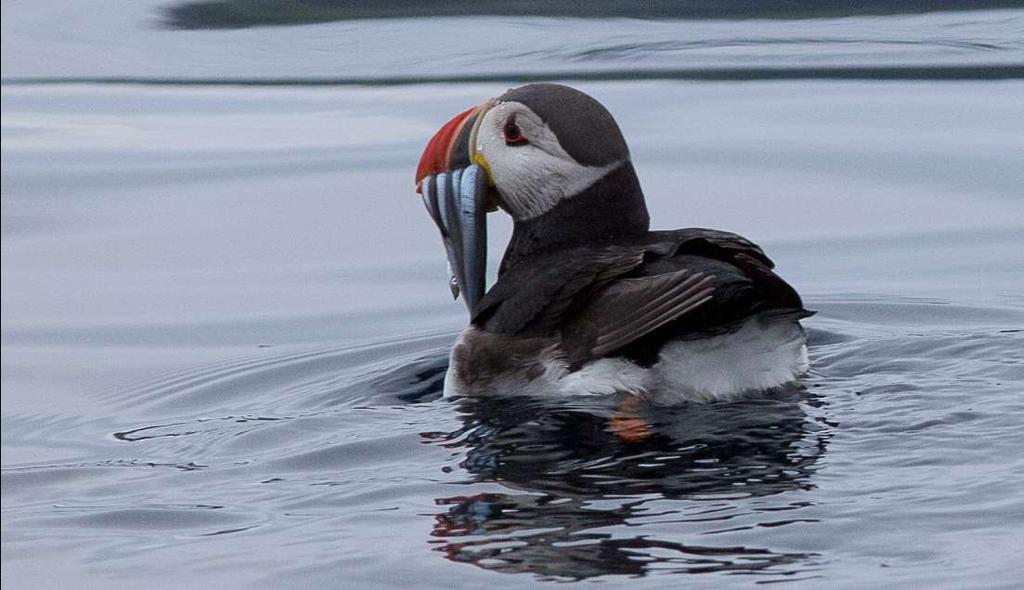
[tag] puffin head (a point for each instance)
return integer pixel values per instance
(527, 152)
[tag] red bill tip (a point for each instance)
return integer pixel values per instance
(435, 157)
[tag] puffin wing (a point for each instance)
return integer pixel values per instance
(631, 308)
(713, 243)
(629, 298)
(745, 282)
(692, 283)
(534, 299)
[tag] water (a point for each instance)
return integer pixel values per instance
(225, 317)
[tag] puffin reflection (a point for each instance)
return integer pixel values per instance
(579, 495)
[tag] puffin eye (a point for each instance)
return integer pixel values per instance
(513, 135)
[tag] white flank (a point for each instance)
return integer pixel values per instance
(761, 354)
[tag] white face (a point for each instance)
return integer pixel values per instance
(529, 167)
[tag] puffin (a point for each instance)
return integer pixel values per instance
(588, 299)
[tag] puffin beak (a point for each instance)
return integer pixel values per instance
(455, 192)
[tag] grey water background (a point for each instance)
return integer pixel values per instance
(225, 319)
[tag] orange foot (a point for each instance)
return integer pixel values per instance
(626, 424)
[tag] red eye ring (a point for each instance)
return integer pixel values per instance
(513, 135)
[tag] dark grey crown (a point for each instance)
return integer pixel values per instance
(583, 126)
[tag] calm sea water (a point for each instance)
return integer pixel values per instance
(225, 318)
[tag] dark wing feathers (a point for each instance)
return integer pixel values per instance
(531, 299)
(713, 243)
(629, 309)
(657, 301)
(630, 297)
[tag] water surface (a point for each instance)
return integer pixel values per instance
(225, 321)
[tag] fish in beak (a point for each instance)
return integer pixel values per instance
(456, 191)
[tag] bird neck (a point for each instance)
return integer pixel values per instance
(608, 210)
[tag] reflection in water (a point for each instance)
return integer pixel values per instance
(575, 488)
(549, 537)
